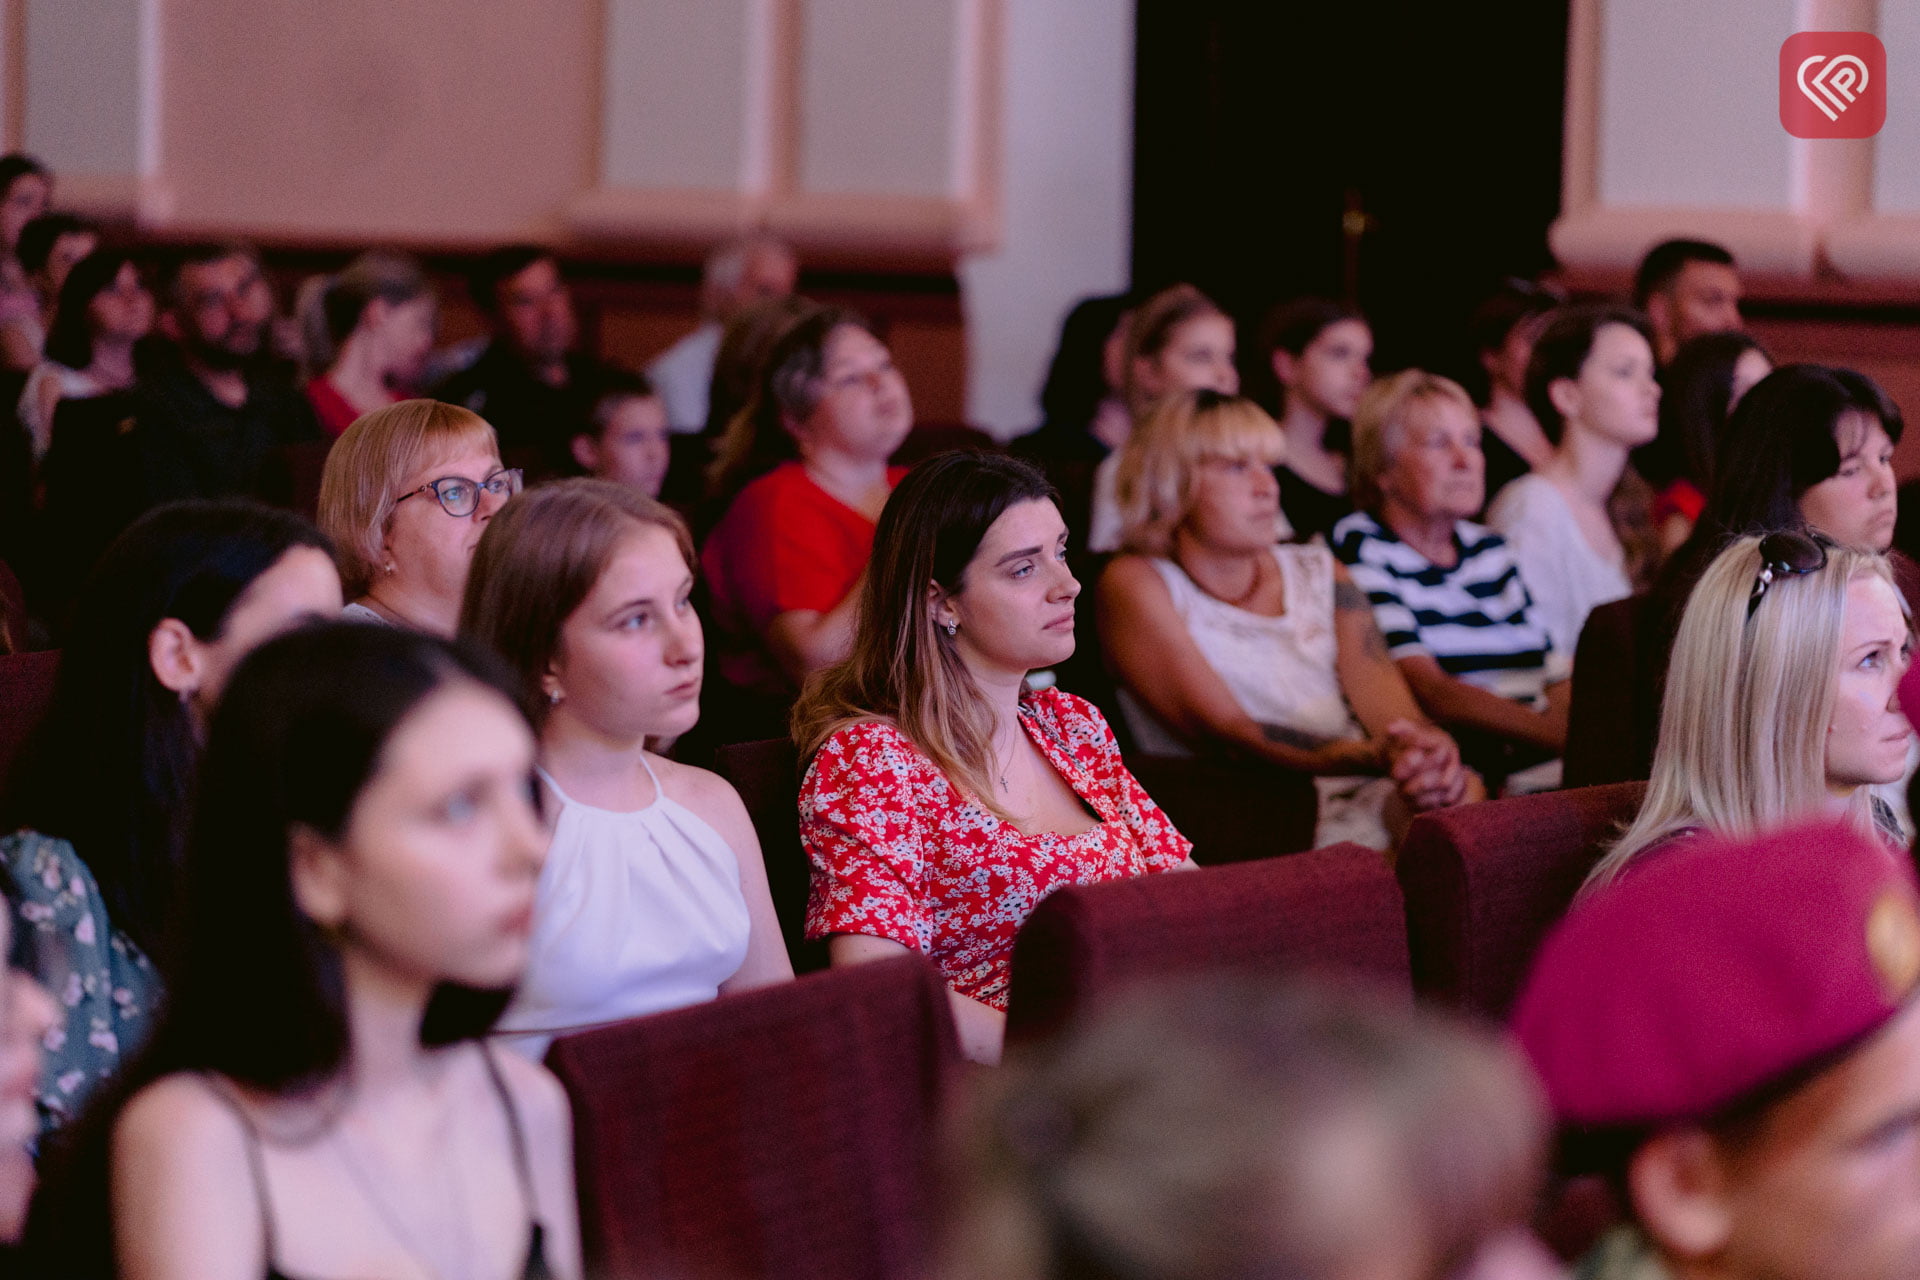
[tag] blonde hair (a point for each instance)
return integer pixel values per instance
(1156, 474)
(1151, 326)
(1743, 724)
(1380, 425)
(1181, 1132)
(372, 459)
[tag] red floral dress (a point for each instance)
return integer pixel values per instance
(898, 852)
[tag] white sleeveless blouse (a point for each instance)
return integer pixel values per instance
(637, 913)
(1281, 671)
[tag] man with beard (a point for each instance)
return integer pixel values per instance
(529, 383)
(211, 418)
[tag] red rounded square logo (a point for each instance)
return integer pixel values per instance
(1833, 84)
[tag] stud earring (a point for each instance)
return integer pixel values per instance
(553, 697)
(953, 628)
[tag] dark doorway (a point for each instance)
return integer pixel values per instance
(1256, 123)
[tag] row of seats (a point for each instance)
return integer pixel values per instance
(789, 1131)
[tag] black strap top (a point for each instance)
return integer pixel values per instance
(536, 1265)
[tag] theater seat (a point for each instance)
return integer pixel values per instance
(784, 1132)
(929, 438)
(1336, 908)
(1611, 720)
(767, 776)
(1233, 811)
(26, 691)
(1484, 883)
(13, 611)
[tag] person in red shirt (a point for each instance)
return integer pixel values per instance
(944, 797)
(807, 459)
(368, 331)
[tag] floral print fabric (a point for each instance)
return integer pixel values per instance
(898, 852)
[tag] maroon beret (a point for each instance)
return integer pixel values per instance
(1715, 968)
(1910, 695)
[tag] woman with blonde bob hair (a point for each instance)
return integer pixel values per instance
(406, 565)
(1781, 698)
(943, 797)
(1188, 1131)
(1226, 640)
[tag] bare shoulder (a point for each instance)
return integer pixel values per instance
(537, 1093)
(1130, 575)
(178, 1122)
(705, 792)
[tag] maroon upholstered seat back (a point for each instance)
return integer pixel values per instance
(784, 1132)
(1334, 908)
(767, 776)
(1484, 883)
(26, 691)
(1609, 737)
(1232, 810)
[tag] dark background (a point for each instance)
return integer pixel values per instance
(1253, 123)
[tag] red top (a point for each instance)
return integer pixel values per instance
(1681, 498)
(898, 852)
(332, 408)
(784, 544)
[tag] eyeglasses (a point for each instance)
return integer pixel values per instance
(459, 496)
(1786, 554)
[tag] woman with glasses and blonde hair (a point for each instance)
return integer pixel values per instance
(943, 796)
(1226, 640)
(405, 496)
(1781, 697)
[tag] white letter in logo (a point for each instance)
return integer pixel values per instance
(1839, 82)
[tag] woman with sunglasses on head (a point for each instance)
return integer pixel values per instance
(1781, 699)
(943, 797)
(406, 493)
(319, 1099)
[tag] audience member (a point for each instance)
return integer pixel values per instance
(26, 190)
(319, 1100)
(47, 249)
(1223, 638)
(1686, 288)
(627, 439)
(1699, 388)
(1238, 1126)
(1729, 1036)
(367, 345)
(100, 798)
(1446, 592)
(1503, 329)
(210, 423)
(103, 311)
(529, 382)
(654, 895)
(807, 459)
(407, 566)
(1580, 525)
(27, 1015)
(1177, 340)
(744, 344)
(1781, 697)
(943, 798)
(756, 269)
(1318, 353)
(1083, 404)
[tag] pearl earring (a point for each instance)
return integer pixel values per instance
(953, 628)
(553, 697)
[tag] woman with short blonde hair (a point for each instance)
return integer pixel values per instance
(402, 565)
(1226, 640)
(1780, 700)
(1446, 593)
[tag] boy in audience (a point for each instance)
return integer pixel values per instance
(211, 423)
(1687, 288)
(528, 382)
(1729, 1033)
(756, 269)
(626, 440)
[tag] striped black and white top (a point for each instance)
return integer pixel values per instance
(1476, 619)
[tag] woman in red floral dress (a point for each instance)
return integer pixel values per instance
(944, 798)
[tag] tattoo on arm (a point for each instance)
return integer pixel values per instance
(1347, 595)
(1295, 738)
(1349, 598)
(1376, 644)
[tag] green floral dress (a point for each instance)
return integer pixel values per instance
(107, 989)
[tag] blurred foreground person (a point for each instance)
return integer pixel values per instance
(1728, 1033)
(1235, 1127)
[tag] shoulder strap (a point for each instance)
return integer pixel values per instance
(521, 1165)
(256, 1163)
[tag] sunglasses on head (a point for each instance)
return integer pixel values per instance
(1786, 554)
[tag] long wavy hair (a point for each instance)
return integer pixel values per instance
(1743, 725)
(904, 669)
